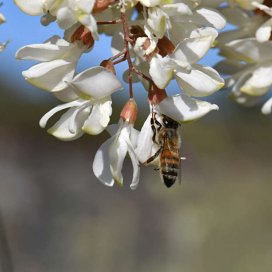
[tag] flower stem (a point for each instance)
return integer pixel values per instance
(126, 45)
(112, 22)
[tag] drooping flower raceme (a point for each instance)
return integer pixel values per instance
(159, 40)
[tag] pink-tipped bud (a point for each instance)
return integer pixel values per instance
(156, 95)
(129, 112)
(83, 34)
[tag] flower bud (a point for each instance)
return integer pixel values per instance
(83, 34)
(101, 5)
(108, 64)
(156, 95)
(129, 112)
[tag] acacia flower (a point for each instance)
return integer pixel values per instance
(66, 12)
(165, 16)
(59, 59)
(91, 111)
(109, 158)
(193, 79)
(251, 78)
(263, 33)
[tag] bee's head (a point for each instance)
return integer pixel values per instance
(169, 123)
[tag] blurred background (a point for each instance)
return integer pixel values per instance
(55, 216)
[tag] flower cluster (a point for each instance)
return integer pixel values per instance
(160, 41)
(247, 51)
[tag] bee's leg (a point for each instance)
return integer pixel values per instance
(157, 122)
(152, 158)
(152, 122)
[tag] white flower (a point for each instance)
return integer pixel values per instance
(59, 59)
(264, 31)
(194, 79)
(252, 78)
(67, 12)
(109, 159)
(180, 108)
(180, 18)
(91, 111)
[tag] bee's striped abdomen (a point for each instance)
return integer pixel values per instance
(169, 166)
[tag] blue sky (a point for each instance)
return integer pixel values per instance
(22, 29)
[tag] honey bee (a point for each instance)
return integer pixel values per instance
(167, 136)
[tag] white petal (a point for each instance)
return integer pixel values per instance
(135, 165)
(43, 52)
(49, 114)
(209, 17)
(204, 32)
(96, 82)
(145, 143)
(73, 123)
(183, 108)
(264, 31)
(85, 5)
(250, 50)
(117, 154)
(157, 21)
(201, 81)
(134, 134)
(260, 81)
(50, 76)
(193, 49)
(53, 48)
(160, 72)
(267, 107)
(61, 129)
(66, 95)
(65, 17)
(176, 9)
(101, 163)
(31, 7)
(99, 118)
(89, 21)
